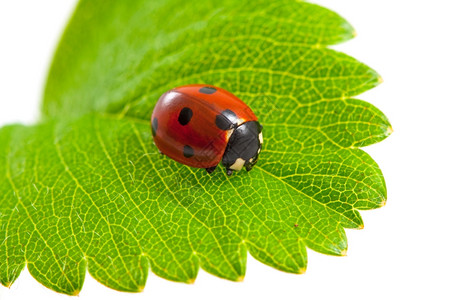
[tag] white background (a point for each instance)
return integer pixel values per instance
(403, 252)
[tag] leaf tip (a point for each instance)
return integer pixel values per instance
(389, 130)
(361, 226)
(380, 79)
(344, 252)
(140, 288)
(302, 270)
(240, 278)
(75, 292)
(190, 281)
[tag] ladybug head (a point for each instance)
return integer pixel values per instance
(243, 147)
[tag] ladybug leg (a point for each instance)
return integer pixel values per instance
(248, 167)
(229, 172)
(210, 169)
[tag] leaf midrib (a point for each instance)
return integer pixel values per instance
(145, 122)
(140, 121)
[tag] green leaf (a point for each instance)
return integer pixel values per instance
(114, 52)
(87, 188)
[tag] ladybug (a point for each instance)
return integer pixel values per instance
(200, 125)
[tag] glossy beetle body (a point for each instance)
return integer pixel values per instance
(200, 125)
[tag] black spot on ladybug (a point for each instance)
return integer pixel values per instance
(226, 120)
(188, 151)
(154, 126)
(207, 90)
(185, 116)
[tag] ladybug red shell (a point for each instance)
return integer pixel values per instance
(200, 125)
